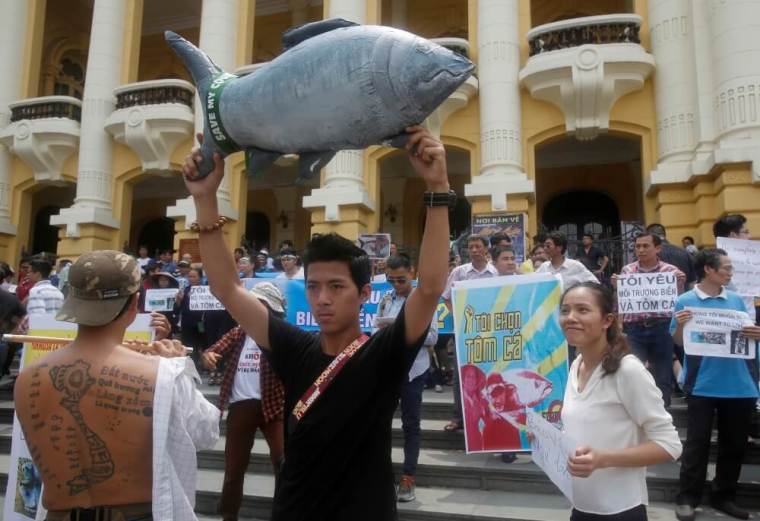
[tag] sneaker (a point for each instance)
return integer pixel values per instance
(405, 491)
(438, 388)
(508, 457)
(685, 513)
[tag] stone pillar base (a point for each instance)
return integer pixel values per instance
(354, 221)
(91, 237)
(498, 189)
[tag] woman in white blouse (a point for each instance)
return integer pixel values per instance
(613, 410)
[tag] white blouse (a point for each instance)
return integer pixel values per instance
(616, 411)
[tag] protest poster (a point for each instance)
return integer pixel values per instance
(646, 292)
(160, 299)
(717, 332)
(745, 258)
(512, 355)
(376, 245)
(551, 448)
(24, 489)
(201, 299)
(511, 224)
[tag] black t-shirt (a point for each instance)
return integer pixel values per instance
(592, 259)
(338, 457)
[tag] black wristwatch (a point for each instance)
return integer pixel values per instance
(433, 199)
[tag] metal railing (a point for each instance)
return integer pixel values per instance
(605, 29)
(46, 107)
(156, 92)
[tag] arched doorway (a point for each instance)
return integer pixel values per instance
(45, 236)
(580, 212)
(157, 234)
(257, 231)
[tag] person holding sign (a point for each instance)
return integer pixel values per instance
(91, 412)
(724, 386)
(648, 332)
(341, 388)
(612, 409)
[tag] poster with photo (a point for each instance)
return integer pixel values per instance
(377, 245)
(511, 224)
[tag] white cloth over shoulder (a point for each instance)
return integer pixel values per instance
(616, 411)
(183, 423)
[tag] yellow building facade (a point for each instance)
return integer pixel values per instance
(582, 115)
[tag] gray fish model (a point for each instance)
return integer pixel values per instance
(337, 86)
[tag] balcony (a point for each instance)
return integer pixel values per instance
(584, 65)
(458, 45)
(44, 132)
(152, 118)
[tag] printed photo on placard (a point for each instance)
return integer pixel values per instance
(377, 245)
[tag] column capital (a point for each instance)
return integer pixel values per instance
(498, 187)
(76, 216)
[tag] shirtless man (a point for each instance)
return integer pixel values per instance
(87, 410)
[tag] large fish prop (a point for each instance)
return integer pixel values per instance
(337, 86)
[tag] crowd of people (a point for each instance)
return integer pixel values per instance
(324, 402)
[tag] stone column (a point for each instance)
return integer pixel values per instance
(12, 29)
(398, 13)
(675, 84)
(736, 89)
(705, 127)
(501, 168)
(218, 38)
(343, 182)
(92, 205)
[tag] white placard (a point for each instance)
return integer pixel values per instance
(745, 258)
(647, 292)
(551, 449)
(717, 332)
(160, 299)
(201, 299)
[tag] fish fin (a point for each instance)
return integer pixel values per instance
(296, 35)
(203, 70)
(310, 163)
(397, 141)
(258, 160)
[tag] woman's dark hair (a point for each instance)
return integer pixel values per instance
(10, 308)
(729, 223)
(331, 247)
(707, 257)
(617, 345)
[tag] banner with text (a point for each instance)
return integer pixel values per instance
(717, 332)
(511, 224)
(647, 292)
(24, 489)
(512, 355)
(745, 258)
(160, 299)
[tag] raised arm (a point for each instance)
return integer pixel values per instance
(217, 260)
(428, 159)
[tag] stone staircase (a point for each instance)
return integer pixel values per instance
(451, 486)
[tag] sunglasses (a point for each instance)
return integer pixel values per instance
(288, 257)
(397, 280)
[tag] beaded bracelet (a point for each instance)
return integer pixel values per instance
(217, 225)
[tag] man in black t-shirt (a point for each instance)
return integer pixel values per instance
(592, 257)
(337, 463)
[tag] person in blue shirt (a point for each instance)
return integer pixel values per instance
(720, 387)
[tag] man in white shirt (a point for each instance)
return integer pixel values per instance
(477, 268)
(44, 298)
(290, 268)
(570, 271)
(400, 275)
(115, 406)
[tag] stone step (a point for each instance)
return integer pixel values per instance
(433, 503)
(446, 468)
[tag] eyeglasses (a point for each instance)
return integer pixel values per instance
(397, 280)
(288, 257)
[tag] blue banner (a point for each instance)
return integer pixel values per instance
(299, 314)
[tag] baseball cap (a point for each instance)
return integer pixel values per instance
(270, 294)
(100, 283)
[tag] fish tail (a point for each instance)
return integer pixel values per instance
(200, 66)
